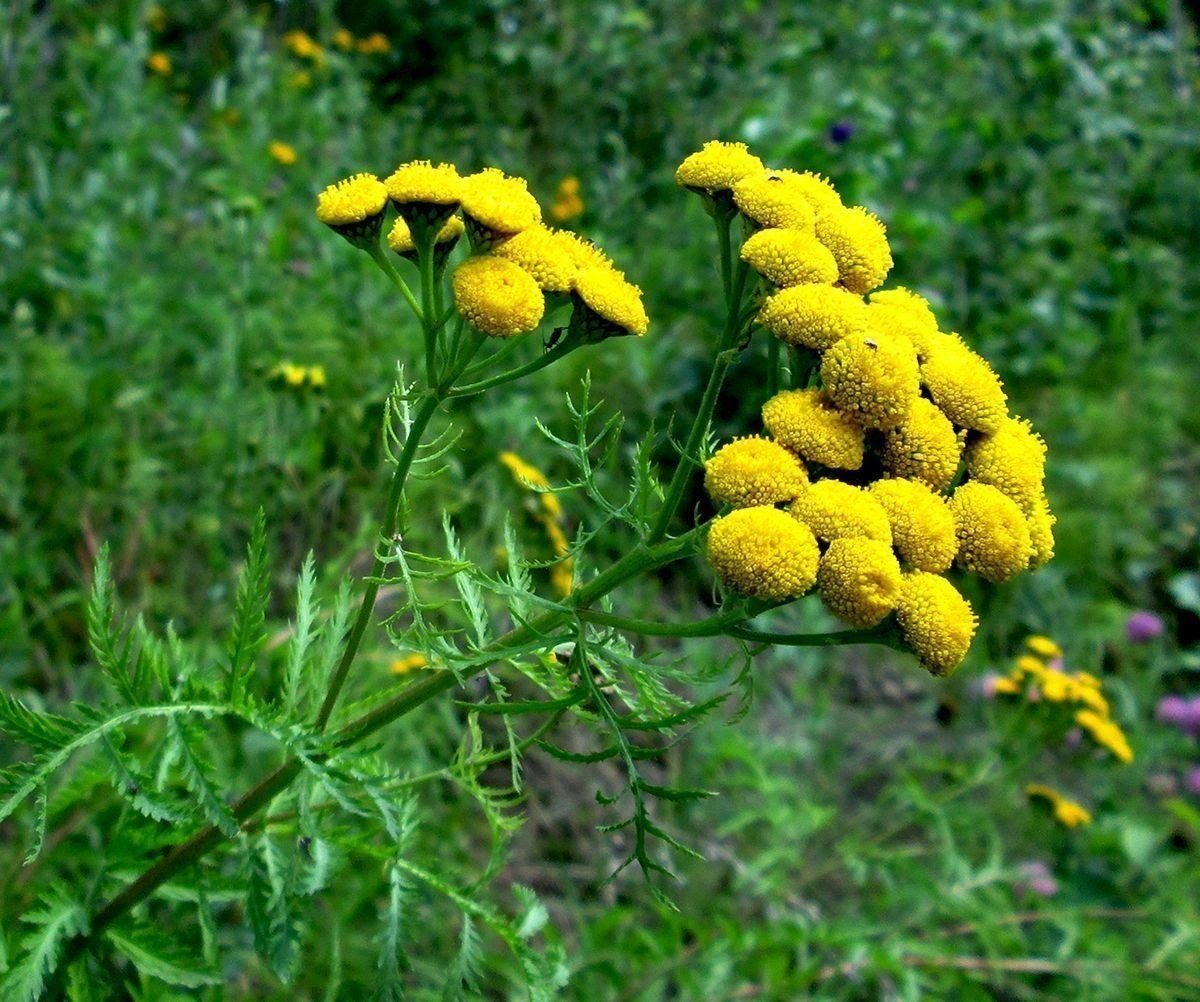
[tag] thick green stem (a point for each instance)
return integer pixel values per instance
(711, 627)
(429, 315)
(379, 256)
(881, 635)
(543, 360)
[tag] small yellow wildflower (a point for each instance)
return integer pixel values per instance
(298, 376)
(567, 202)
(993, 538)
(1041, 523)
(816, 190)
(1006, 687)
(343, 39)
(301, 45)
(409, 663)
(531, 477)
(859, 580)
(813, 316)
(1066, 812)
(160, 63)
(717, 166)
(541, 253)
(789, 257)
(763, 553)
(1013, 458)
(897, 317)
(766, 199)
(282, 153)
(1043, 647)
(374, 44)
(873, 377)
(1105, 733)
(922, 526)
(858, 242)
(923, 447)
(400, 239)
(836, 510)
(963, 385)
(499, 205)
(938, 623)
(749, 472)
(1027, 665)
(496, 297)
(353, 204)
(607, 295)
(806, 422)
(424, 183)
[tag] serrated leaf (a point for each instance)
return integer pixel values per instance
(37, 729)
(58, 919)
(198, 781)
(248, 631)
(157, 956)
(302, 634)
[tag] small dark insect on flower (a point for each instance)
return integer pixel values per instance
(554, 338)
(133, 789)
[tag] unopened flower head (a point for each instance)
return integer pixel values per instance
(963, 385)
(813, 316)
(837, 510)
(807, 423)
(497, 206)
(789, 257)
(1012, 458)
(993, 536)
(768, 200)
(937, 622)
(717, 166)
(859, 580)
(924, 447)
(542, 253)
(354, 208)
(922, 526)
(763, 553)
(749, 472)
(607, 304)
(858, 242)
(872, 376)
(496, 297)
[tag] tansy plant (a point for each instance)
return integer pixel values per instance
(886, 456)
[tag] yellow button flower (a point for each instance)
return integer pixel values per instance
(767, 199)
(837, 510)
(922, 526)
(789, 257)
(763, 553)
(889, 316)
(613, 300)
(1013, 458)
(923, 447)
(423, 183)
(813, 316)
(496, 297)
(938, 623)
(905, 299)
(1041, 522)
(282, 153)
(1105, 733)
(160, 63)
(818, 191)
(754, 471)
(1043, 647)
(1066, 812)
(498, 204)
(806, 422)
(354, 207)
(717, 166)
(963, 385)
(541, 253)
(409, 663)
(873, 377)
(400, 239)
(858, 242)
(859, 581)
(993, 537)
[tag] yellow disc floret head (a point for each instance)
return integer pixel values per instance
(789, 257)
(754, 471)
(807, 423)
(763, 553)
(496, 206)
(425, 195)
(542, 253)
(813, 316)
(963, 385)
(993, 536)
(858, 242)
(766, 199)
(607, 305)
(924, 447)
(496, 297)
(1012, 458)
(859, 581)
(837, 510)
(922, 526)
(937, 622)
(717, 167)
(873, 377)
(354, 208)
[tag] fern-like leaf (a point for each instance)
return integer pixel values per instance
(250, 611)
(58, 918)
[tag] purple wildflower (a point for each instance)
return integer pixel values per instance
(1144, 626)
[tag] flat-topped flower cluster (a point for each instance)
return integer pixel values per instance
(893, 455)
(515, 263)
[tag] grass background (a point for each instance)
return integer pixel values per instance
(1038, 165)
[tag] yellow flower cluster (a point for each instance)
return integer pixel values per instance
(299, 376)
(516, 259)
(301, 45)
(1039, 676)
(871, 447)
(282, 153)
(567, 203)
(409, 663)
(550, 515)
(1066, 812)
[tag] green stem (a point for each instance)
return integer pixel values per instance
(723, 241)
(379, 256)
(876, 635)
(429, 315)
(543, 360)
(710, 627)
(689, 460)
(412, 442)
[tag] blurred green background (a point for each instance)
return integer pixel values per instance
(1038, 166)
